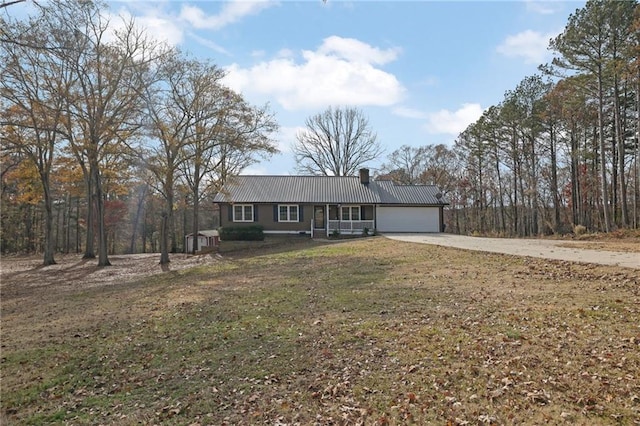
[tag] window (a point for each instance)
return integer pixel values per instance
(243, 213)
(287, 213)
(350, 213)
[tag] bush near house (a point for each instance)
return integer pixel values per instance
(242, 233)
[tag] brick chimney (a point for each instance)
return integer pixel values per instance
(364, 176)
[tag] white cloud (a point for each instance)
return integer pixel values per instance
(542, 7)
(286, 137)
(340, 72)
(162, 29)
(231, 12)
(209, 44)
(285, 53)
(409, 112)
(357, 51)
(429, 81)
(154, 24)
(167, 27)
(453, 123)
(530, 45)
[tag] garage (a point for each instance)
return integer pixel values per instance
(408, 219)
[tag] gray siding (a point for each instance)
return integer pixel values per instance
(265, 218)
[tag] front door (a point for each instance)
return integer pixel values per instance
(318, 217)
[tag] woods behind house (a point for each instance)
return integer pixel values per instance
(113, 139)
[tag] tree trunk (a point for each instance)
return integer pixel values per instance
(554, 180)
(103, 255)
(636, 215)
(167, 219)
(89, 252)
(603, 160)
(164, 252)
(56, 225)
(196, 206)
(575, 184)
(503, 225)
(144, 231)
(515, 195)
(480, 196)
(171, 216)
(136, 220)
(172, 230)
(523, 219)
(49, 242)
(67, 224)
(78, 225)
(621, 156)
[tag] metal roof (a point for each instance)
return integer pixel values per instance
(391, 193)
(324, 189)
(206, 233)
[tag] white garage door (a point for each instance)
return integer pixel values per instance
(408, 219)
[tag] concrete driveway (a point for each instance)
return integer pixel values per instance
(547, 249)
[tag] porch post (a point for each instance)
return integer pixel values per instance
(326, 220)
(375, 218)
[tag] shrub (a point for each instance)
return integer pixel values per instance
(579, 230)
(335, 233)
(242, 233)
(365, 231)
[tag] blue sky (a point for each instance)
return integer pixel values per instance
(420, 70)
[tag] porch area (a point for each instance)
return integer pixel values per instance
(337, 219)
(349, 227)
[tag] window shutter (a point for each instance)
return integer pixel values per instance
(255, 212)
(275, 213)
(300, 217)
(230, 213)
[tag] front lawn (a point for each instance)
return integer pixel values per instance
(368, 331)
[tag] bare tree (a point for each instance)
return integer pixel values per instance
(171, 123)
(10, 3)
(405, 164)
(336, 142)
(206, 109)
(228, 136)
(105, 107)
(34, 86)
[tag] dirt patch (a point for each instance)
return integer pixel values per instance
(26, 274)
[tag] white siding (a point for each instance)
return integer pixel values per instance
(408, 219)
(202, 242)
(209, 239)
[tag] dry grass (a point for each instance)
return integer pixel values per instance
(367, 331)
(619, 246)
(622, 240)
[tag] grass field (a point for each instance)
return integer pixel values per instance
(368, 331)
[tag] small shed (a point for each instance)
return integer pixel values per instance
(206, 239)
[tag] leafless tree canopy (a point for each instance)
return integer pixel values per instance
(428, 164)
(336, 142)
(82, 100)
(9, 3)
